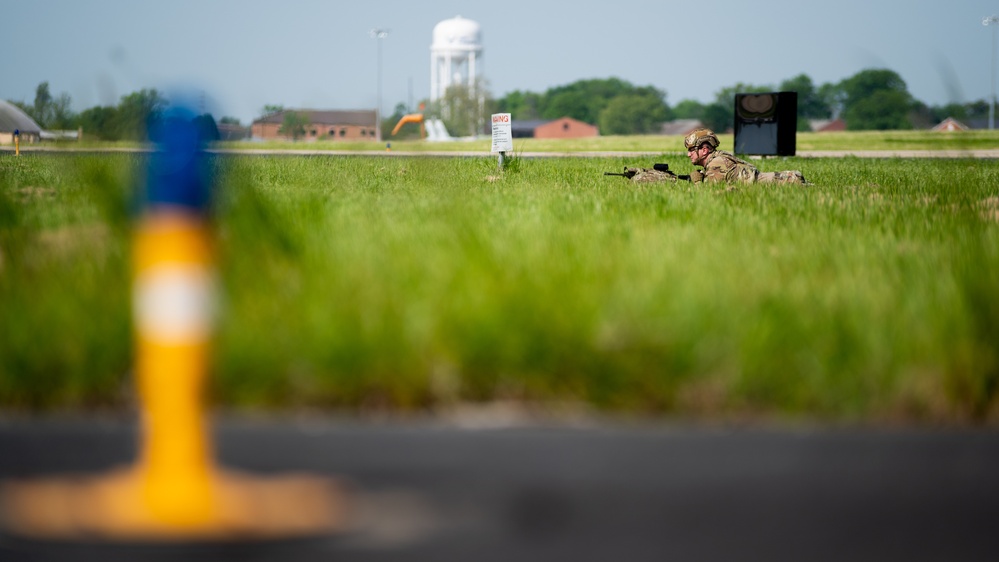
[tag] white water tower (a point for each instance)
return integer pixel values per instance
(456, 48)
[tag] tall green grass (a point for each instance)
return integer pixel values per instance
(412, 283)
(805, 142)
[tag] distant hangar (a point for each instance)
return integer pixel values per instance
(13, 119)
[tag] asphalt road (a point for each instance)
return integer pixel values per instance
(431, 490)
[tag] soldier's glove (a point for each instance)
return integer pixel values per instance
(696, 176)
(631, 172)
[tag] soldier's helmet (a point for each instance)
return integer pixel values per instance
(697, 137)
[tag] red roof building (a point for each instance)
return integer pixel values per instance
(950, 124)
(564, 128)
(827, 125)
(321, 125)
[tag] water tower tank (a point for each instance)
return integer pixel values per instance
(456, 46)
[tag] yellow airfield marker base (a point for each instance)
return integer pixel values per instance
(111, 507)
(174, 490)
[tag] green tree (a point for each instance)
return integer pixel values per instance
(48, 111)
(811, 105)
(833, 96)
(977, 109)
(293, 125)
(136, 111)
(42, 110)
(923, 116)
(689, 109)
(632, 114)
(228, 120)
(718, 117)
(585, 99)
(573, 103)
(956, 110)
(62, 117)
(882, 110)
(522, 106)
(100, 122)
(961, 111)
(876, 99)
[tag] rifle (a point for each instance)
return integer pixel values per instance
(628, 173)
(659, 167)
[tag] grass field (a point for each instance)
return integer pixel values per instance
(805, 142)
(838, 141)
(405, 284)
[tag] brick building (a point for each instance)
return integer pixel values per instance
(950, 124)
(328, 125)
(827, 125)
(564, 128)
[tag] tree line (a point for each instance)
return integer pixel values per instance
(129, 120)
(872, 99)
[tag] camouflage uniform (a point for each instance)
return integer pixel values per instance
(786, 176)
(645, 175)
(723, 166)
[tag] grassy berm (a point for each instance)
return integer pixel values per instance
(407, 284)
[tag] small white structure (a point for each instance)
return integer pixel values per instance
(436, 131)
(454, 53)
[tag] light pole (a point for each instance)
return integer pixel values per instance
(992, 20)
(378, 35)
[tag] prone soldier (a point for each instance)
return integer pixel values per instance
(717, 166)
(720, 166)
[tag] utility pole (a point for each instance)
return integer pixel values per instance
(378, 35)
(987, 21)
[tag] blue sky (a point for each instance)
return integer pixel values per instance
(244, 54)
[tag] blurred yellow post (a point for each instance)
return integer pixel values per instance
(17, 142)
(175, 490)
(174, 301)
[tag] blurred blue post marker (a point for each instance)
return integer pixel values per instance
(175, 308)
(174, 305)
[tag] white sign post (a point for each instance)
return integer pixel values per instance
(502, 135)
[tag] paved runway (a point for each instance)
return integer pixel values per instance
(429, 490)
